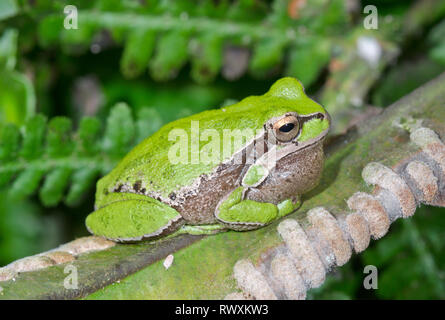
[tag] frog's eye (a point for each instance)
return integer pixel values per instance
(286, 128)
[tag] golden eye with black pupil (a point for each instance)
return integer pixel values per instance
(286, 128)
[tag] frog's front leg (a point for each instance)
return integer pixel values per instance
(237, 213)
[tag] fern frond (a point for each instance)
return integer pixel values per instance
(163, 36)
(48, 158)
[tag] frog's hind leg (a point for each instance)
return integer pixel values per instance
(134, 220)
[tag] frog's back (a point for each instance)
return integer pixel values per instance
(150, 169)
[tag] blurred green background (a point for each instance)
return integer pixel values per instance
(74, 101)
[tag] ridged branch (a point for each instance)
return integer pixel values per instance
(312, 249)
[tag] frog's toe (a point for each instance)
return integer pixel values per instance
(134, 220)
(288, 206)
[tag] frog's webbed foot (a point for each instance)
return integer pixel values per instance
(236, 213)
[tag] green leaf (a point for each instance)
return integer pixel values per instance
(267, 54)
(58, 137)
(54, 186)
(207, 57)
(171, 55)
(138, 50)
(329, 14)
(8, 49)
(249, 10)
(149, 121)
(437, 34)
(6, 175)
(34, 132)
(82, 180)
(438, 53)
(88, 135)
(78, 40)
(49, 30)
(8, 8)
(26, 183)
(9, 141)
(120, 130)
(307, 59)
(17, 97)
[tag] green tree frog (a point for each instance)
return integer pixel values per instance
(239, 167)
